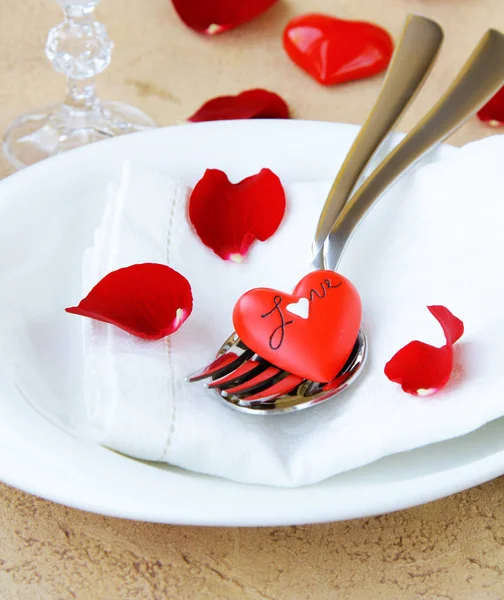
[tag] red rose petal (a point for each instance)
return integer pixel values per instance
(148, 300)
(422, 369)
(493, 111)
(453, 327)
(335, 50)
(215, 16)
(251, 104)
(229, 217)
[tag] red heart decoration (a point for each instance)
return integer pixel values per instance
(334, 50)
(316, 347)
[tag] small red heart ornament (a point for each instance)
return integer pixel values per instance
(335, 50)
(315, 345)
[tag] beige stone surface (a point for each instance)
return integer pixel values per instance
(450, 549)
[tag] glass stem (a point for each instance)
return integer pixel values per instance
(80, 49)
(81, 94)
(78, 10)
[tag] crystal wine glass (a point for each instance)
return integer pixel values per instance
(80, 48)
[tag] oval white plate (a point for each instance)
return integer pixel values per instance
(48, 214)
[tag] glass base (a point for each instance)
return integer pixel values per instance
(54, 129)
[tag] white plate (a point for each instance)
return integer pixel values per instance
(47, 217)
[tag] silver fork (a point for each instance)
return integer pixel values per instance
(413, 58)
(480, 78)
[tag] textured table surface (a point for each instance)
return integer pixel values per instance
(450, 549)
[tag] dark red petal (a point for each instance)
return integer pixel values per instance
(453, 328)
(422, 369)
(493, 111)
(215, 16)
(148, 300)
(251, 104)
(335, 50)
(229, 217)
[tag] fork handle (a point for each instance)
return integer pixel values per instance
(480, 78)
(413, 58)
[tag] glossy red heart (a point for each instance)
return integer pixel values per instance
(335, 50)
(316, 347)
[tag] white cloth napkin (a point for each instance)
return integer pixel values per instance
(435, 239)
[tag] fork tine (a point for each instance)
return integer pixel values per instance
(265, 384)
(262, 381)
(222, 366)
(284, 386)
(243, 373)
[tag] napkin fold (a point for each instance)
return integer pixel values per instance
(434, 239)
